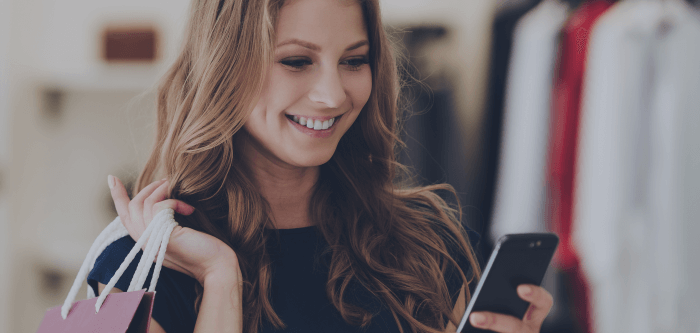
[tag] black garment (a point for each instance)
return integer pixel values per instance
(298, 287)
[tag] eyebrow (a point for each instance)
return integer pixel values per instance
(314, 47)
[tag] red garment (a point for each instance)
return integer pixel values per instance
(562, 154)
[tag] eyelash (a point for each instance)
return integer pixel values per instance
(298, 64)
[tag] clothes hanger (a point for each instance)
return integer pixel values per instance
(572, 4)
(668, 19)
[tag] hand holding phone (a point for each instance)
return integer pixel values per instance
(518, 262)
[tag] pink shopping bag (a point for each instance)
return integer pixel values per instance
(120, 313)
(128, 312)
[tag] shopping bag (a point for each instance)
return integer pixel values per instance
(127, 312)
(122, 312)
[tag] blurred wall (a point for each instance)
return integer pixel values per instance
(5, 237)
(67, 120)
(74, 120)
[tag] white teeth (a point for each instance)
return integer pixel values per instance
(314, 124)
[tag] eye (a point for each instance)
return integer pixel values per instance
(296, 63)
(356, 64)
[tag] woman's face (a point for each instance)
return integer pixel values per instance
(318, 84)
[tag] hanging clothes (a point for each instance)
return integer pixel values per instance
(635, 224)
(502, 40)
(520, 185)
(562, 151)
(567, 95)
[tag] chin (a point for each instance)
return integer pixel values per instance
(311, 160)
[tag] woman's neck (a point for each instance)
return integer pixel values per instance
(286, 188)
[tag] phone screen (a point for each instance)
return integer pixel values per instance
(517, 259)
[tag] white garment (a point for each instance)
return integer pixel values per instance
(630, 215)
(676, 183)
(520, 185)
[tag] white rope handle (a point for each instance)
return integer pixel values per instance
(147, 257)
(161, 255)
(156, 235)
(118, 232)
(106, 237)
(163, 217)
(152, 249)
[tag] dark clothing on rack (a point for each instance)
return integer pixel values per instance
(503, 30)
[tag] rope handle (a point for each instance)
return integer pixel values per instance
(156, 237)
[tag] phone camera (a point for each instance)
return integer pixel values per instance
(532, 244)
(539, 243)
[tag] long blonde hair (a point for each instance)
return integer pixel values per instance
(390, 238)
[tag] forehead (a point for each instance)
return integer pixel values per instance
(322, 22)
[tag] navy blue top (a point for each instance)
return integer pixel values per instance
(298, 287)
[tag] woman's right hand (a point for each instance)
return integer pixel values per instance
(194, 253)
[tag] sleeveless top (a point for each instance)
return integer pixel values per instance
(298, 286)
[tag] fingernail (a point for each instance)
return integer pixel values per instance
(110, 181)
(526, 290)
(478, 319)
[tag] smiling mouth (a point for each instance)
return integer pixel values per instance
(317, 124)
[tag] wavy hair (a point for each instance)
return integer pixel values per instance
(393, 239)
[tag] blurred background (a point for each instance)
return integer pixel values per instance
(577, 117)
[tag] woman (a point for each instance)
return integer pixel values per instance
(276, 133)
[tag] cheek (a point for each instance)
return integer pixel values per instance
(279, 93)
(360, 87)
(258, 118)
(284, 89)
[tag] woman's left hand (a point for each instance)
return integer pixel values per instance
(540, 303)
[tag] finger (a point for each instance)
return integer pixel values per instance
(120, 197)
(541, 302)
(495, 322)
(176, 205)
(148, 190)
(137, 201)
(136, 205)
(158, 195)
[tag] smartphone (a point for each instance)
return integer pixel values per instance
(517, 259)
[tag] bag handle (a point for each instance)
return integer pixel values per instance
(156, 236)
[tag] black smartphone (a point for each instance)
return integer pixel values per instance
(517, 259)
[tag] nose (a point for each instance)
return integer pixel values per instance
(328, 89)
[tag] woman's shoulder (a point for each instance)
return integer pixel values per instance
(173, 306)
